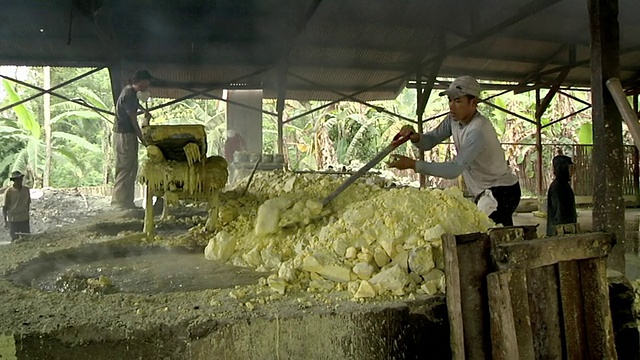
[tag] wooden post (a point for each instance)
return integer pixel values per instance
(575, 341)
(544, 309)
(503, 328)
(419, 114)
(636, 160)
(282, 94)
(599, 327)
(539, 150)
(608, 162)
(454, 298)
(47, 128)
(467, 264)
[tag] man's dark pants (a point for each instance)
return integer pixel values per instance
(18, 227)
(508, 198)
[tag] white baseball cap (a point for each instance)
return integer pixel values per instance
(464, 85)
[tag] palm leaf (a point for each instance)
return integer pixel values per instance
(25, 116)
(76, 140)
(70, 157)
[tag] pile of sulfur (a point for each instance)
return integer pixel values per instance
(370, 242)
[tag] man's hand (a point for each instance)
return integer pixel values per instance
(402, 162)
(409, 130)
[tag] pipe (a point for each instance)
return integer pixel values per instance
(628, 115)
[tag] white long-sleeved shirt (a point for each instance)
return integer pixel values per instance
(480, 157)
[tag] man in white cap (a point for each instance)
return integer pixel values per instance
(479, 154)
(15, 210)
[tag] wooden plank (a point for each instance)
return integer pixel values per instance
(566, 229)
(549, 251)
(545, 313)
(598, 324)
(575, 340)
(474, 265)
(503, 329)
(521, 315)
(454, 300)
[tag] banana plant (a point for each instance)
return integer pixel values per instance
(29, 158)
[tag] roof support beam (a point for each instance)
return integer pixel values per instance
(544, 104)
(608, 207)
(533, 74)
(524, 12)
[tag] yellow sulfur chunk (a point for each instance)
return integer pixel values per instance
(390, 279)
(336, 273)
(220, 247)
(363, 270)
(365, 290)
(276, 284)
(421, 260)
(381, 258)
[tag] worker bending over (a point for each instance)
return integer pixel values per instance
(480, 157)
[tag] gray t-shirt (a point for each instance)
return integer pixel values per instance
(127, 104)
(480, 157)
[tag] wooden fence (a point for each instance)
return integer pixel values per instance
(525, 167)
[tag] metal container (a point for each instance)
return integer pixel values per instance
(171, 139)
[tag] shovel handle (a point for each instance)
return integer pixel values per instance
(397, 141)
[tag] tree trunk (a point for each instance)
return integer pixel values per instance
(46, 177)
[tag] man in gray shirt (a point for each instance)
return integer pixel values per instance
(480, 157)
(126, 134)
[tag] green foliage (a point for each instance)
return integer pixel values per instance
(337, 133)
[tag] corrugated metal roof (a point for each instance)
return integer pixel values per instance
(347, 45)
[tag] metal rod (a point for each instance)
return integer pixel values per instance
(215, 97)
(352, 98)
(629, 116)
(574, 98)
(204, 91)
(42, 92)
(510, 112)
(566, 116)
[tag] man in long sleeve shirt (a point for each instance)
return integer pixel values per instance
(480, 157)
